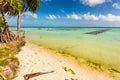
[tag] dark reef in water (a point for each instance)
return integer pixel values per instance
(97, 32)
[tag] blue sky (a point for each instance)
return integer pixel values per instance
(72, 13)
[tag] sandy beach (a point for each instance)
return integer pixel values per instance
(34, 58)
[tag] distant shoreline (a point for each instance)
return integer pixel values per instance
(60, 27)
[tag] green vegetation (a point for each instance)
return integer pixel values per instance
(11, 8)
(14, 8)
(8, 60)
(3, 62)
(6, 55)
(13, 42)
(1, 22)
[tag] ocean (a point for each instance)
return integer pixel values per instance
(102, 49)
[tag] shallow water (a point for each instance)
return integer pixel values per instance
(103, 48)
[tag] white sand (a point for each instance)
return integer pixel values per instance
(36, 59)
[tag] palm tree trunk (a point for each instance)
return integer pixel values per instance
(18, 23)
(5, 36)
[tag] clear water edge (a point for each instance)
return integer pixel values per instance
(99, 50)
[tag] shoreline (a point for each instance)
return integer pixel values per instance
(82, 62)
(34, 58)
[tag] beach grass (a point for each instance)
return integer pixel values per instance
(8, 60)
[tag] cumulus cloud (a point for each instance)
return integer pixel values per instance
(88, 16)
(116, 6)
(109, 17)
(31, 14)
(52, 17)
(73, 16)
(94, 2)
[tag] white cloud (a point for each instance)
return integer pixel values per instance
(73, 16)
(109, 17)
(46, 0)
(94, 2)
(31, 14)
(116, 6)
(52, 17)
(88, 16)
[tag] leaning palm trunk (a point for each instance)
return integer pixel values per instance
(6, 35)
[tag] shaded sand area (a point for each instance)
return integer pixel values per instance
(37, 59)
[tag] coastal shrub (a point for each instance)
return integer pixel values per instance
(1, 77)
(3, 62)
(7, 47)
(8, 60)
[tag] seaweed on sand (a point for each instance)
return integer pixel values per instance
(73, 79)
(115, 70)
(94, 65)
(69, 70)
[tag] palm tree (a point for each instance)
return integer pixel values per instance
(11, 8)
(28, 5)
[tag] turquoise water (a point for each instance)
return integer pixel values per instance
(102, 49)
